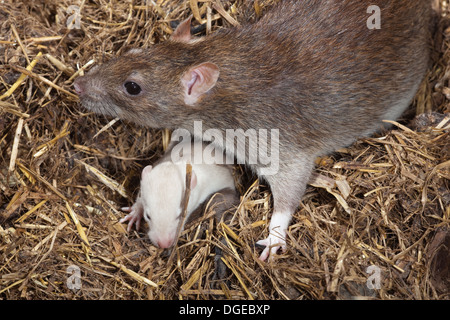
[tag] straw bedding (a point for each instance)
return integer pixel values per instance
(383, 202)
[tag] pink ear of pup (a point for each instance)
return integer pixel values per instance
(193, 180)
(146, 171)
(199, 80)
(183, 32)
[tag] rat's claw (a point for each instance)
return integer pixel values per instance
(125, 219)
(134, 217)
(130, 217)
(272, 244)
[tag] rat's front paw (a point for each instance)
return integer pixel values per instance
(272, 243)
(134, 217)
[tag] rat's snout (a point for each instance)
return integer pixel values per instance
(165, 242)
(79, 86)
(162, 236)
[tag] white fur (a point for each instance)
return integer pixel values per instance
(162, 192)
(277, 234)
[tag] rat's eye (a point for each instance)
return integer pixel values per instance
(132, 88)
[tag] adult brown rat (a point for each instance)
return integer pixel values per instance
(312, 69)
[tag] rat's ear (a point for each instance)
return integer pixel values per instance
(193, 180)
(183, 32)
(199, 80)
(146, 171)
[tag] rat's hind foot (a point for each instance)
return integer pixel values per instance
(272, 244)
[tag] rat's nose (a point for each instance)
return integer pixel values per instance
(165, 243)
(78, 86)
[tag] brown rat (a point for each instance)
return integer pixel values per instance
(311, 69)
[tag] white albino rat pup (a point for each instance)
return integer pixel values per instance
(160, 201)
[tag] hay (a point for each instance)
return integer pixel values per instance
(64, 174)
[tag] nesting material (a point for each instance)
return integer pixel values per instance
(377, 214)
